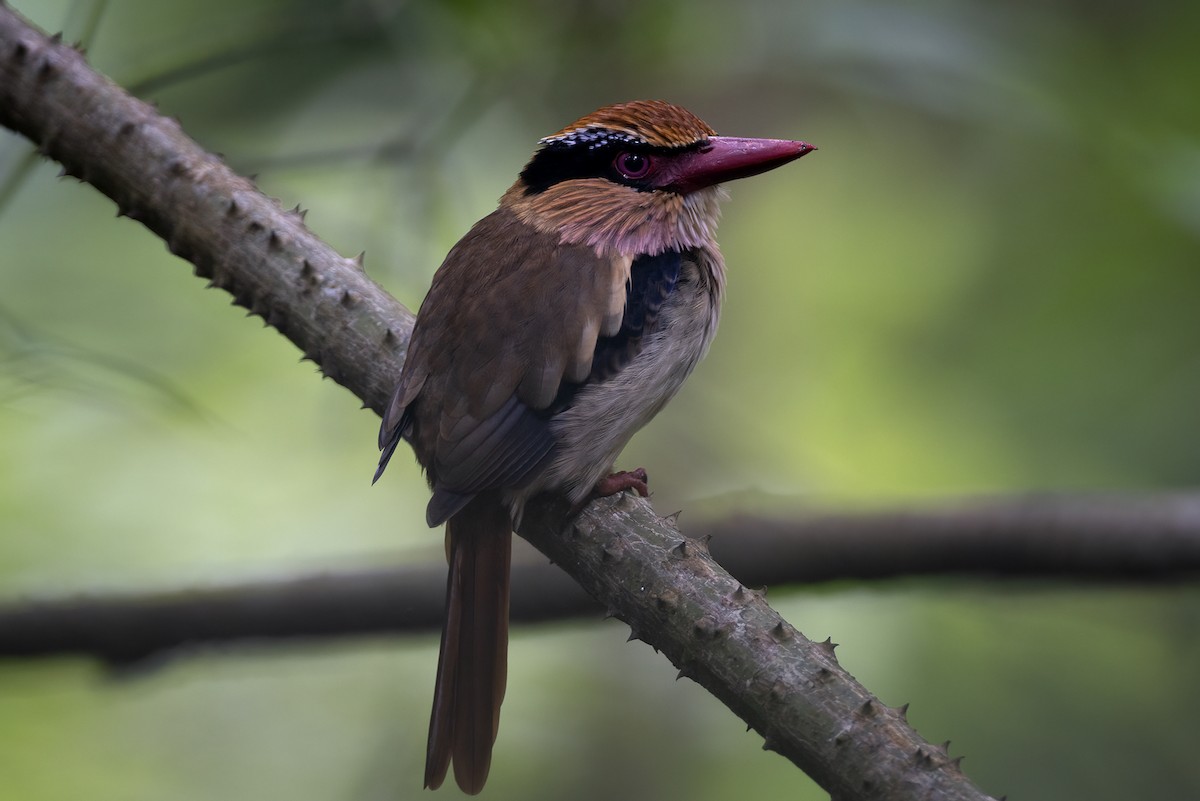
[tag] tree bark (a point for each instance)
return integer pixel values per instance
(634, 563)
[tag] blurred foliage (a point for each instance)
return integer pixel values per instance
(984, 281)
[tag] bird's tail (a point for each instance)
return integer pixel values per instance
(473, 664)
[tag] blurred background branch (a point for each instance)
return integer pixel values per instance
(1079, 538)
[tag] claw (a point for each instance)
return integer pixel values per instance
(636, 480)
(619, 482)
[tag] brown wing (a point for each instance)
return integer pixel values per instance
(511, 314)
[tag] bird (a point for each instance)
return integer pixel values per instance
(558, 326)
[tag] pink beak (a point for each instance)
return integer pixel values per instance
(726, 158)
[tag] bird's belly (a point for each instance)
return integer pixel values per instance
(604, 416)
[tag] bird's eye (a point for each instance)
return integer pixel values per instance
(632, 165)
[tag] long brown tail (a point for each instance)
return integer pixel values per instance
(473, 664)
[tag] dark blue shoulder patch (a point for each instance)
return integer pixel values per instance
(652, 279)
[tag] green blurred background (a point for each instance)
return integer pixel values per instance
(985, 281)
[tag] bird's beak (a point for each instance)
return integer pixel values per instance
(725, 158)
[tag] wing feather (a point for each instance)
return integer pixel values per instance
(511, 316)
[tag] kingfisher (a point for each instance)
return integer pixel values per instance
(558, 326)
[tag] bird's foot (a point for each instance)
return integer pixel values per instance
(619, 482)
(612, 484)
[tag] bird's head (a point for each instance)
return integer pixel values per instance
(638, 178)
